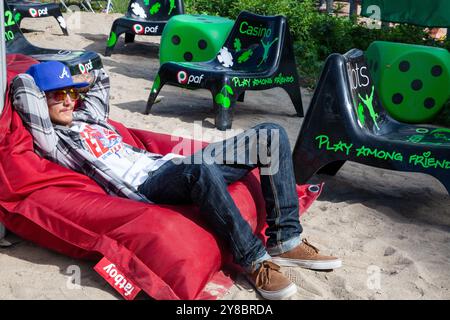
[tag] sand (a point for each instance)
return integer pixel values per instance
(391, 229)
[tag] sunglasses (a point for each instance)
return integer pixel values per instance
(60, 95)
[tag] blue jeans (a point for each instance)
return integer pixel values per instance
(202, 179)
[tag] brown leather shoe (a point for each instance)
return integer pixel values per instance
(271, 283)
(307, 256)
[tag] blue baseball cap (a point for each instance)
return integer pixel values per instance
(53, 75)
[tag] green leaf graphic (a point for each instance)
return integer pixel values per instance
(237, 44)
(228, 88)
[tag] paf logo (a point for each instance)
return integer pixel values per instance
(149, 30)
(85, 68)
(138, 29)
(182, 77)
(38, 13)
(195, 79)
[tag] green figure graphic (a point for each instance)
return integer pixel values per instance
(368, 101)
(245, 56)
(172, 6)
(17, 17)
(266, 50)
(361, 116)
(237, 44)
(155, 8)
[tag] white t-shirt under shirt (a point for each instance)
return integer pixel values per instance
(107, 146)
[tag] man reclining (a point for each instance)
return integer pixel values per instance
(84, 141)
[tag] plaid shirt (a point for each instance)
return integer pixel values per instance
(64, 146)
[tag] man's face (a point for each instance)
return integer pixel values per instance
(61, 104)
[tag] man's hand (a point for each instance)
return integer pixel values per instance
(86, 77)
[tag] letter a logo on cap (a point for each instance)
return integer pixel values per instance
(64, 74)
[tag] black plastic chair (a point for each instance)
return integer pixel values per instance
(257, 55)
(33, 9)
(346, 121)
(144, 17)
(77, 61)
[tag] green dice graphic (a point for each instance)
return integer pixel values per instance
(189, 38)
(413, 81)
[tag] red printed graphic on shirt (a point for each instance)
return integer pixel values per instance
(101, 141)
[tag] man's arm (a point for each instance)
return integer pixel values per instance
(31, 104)
(96, 101)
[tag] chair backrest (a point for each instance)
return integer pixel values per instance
(413, 81)
(24, 2)
(365, 100)
(254, 42)
(14, 38)
(152, 10)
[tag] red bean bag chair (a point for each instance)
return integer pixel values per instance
(163, 250)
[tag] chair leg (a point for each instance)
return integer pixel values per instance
(304, 170)
(296, 97)
(129, 37)
(224, 118)
(224, 100)
(157, 85)
(62, 24)
(241, 97)
(116, 31)
(332, 168)
(308, 162)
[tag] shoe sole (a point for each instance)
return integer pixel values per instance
(280, 294)
(308, 264)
